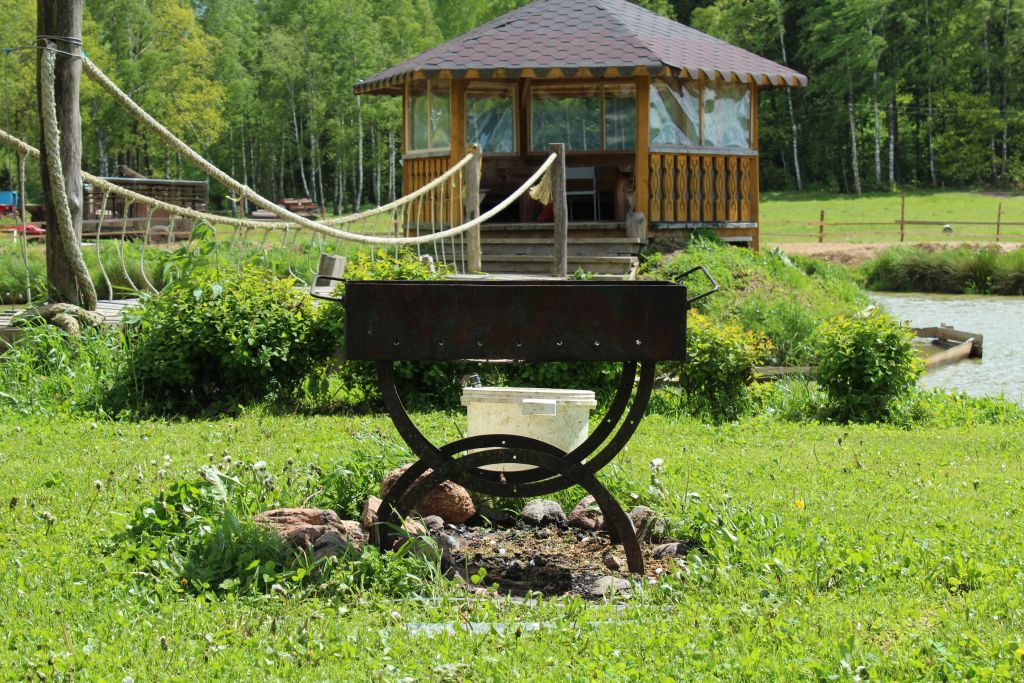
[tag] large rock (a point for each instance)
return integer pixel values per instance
(541, 512)
(302, 528)
(369, 517)
(587, 515)
(607, 586)
(449, 501)
(649, 527)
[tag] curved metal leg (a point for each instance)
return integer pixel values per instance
(618, 521)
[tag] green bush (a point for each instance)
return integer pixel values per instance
(948, 271)
(210, 343)
(866, 364)
(720, 359)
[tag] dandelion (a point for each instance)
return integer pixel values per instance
(1019, 652)
(259, 465)
(98, 485)
(800, 504)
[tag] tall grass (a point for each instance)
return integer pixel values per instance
(949, 271)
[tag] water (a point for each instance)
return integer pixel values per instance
(1000, 319)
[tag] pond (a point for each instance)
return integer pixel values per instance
(1000, 319)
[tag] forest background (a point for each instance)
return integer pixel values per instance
(925, 93)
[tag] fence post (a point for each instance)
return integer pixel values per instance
(821, 227)
(471, 209)
(903, 215)
(561, 212)
(999, 221)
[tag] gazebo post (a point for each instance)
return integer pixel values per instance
(641, 166)
(561, 212)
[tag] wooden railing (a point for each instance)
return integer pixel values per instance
(702, 188)
(442, 206)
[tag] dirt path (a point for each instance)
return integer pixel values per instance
(852, 254)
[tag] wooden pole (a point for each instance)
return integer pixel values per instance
(821, 226)
(61, 21)
(561, 212)
(999, 221)
(471, 210)
(903, 215)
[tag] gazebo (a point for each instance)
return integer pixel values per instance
(659, 120)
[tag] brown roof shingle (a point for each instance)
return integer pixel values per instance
(597, 35)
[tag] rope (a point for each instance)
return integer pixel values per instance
(65, 225)
(142, 251)
(178, 145)
(99, 252)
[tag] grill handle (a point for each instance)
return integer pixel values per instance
(714, 285)
(326, 297)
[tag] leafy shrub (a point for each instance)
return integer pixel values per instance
(718, 368)
(211, 343)
(866, 364)
(48, 371)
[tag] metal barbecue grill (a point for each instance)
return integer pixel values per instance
(635, 323)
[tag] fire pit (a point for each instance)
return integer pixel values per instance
(635, 323)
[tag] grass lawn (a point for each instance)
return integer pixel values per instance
(786, 216)
(823, 553)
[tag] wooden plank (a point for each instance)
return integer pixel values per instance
(655, 201)
(667, 184)
(957, 353)
(694, 188)
(706, 211)
(720, 189)
(680, 207)
(745, 189)
(734, 205)
(945, 333)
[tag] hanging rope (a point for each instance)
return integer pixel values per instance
(86, 294)
(99, 252)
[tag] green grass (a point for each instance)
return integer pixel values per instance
(787, 216)
(950, 271)
(824, 553)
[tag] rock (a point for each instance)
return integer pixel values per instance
(612, 562)
(586, 515)
(331, 544)
(649, 527)
(449, 542)
(449, 501)
(433, 523)
(427, 549)
(670, 550)
(487, 516)
(609, 585)
(369, 517)
(540, 512)
(301, 528)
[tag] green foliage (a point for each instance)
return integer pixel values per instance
(865, 364)
(948, 271)
(213, 343)
(720, 359)
(48, 371)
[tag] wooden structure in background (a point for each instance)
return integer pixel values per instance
(662, 117)
(118, 214)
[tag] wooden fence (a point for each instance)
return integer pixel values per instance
(901, 228)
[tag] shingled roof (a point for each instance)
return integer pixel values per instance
(574, 38)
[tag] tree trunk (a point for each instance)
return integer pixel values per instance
(359, 163)
(878, 144)
(376, 168)
(62, 18)
(298, 148)
(789, 98)
(893, 128)
(854, 164)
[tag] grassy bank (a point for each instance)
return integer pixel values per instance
(788, 216)
(949, 271)
(821, 553)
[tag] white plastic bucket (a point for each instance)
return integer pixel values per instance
(560, 417)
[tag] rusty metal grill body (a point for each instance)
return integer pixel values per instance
(635, 323)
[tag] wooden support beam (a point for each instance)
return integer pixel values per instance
(471, 210)
(561, 212)
(641, 168)
(62, 19)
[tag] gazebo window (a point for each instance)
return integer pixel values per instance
(675, 113)
(682, 115)
(490, 117)
(727, 115)
(586, 117)
(430, 116)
